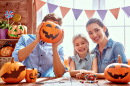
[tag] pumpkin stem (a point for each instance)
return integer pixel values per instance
(12, 61)
(33, 69)
(119, 59)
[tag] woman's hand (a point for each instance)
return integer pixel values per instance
(38, 38)
(59, 42)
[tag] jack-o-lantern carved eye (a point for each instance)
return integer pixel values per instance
(122, 66)
(57, 27)
(49, 25)
(112, 66)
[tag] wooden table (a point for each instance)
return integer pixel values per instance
(62, 81)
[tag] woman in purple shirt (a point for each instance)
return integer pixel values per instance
(107, 50)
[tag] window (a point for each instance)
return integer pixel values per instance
(118, 29)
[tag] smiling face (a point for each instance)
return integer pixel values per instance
(96, 33)
(50, 32)
(81, 46)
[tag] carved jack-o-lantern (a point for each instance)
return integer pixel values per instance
(6, 51)
(117, 72)
(50, 32)
(31, 75)
(15, 31)
(13, 72)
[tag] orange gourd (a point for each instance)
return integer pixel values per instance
(6, 51)
(15, 31)
(117, 72)
(31, 75)
(13, 72)
(50, 32)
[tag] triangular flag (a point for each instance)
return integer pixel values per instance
(64, 10)
(127, 11)
(115, 12)
(76, 12)
(39, 4)
(89, 13)
(102, 13)
(51, 7)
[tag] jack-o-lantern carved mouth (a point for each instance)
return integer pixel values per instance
(50, 36)
(116, 76)
(31, 76)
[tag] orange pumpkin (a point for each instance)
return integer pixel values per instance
(15, 31)
(128, 61)
(50, 32)
(31, 75)
(6, 51)
(117, 72)
(13, 72)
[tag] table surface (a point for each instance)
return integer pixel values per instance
(63, 81)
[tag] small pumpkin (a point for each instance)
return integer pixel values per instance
(117, 72)
(13, 72)
(50, 32)
(6, 51)
(31, 75)
(15, 31)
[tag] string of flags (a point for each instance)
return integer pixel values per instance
(77, 12)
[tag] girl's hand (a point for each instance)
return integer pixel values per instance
(59, 42)
(82, 74)
(38, 38)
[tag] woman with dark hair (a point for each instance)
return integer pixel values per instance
(107, 50)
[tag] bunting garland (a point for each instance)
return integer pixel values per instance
(115, 12)
(77, 12)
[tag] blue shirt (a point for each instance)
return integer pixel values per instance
(85, 63)
(41, 57)
(109, 55)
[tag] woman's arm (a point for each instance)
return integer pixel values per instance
(100, 75)
(95, 65)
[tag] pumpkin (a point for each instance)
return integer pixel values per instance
(6, 51)
(15, 31)
(50, 32)
(31, 75)
(117, 72)
(13, 72)
(128, 61)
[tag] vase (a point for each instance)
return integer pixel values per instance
(3, 33)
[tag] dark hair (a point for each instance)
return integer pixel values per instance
(53, 17)
(95, 20)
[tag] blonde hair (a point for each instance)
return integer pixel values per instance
(53, 17)
(80, 36)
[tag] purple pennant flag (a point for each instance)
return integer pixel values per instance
(76, 12)
(102, 13)
(127, 11)
(51, 7)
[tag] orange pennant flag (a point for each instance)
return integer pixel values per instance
(64, 10)
(39, 4)
(89, 13)
(115, 12)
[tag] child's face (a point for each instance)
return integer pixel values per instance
(81, 46)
